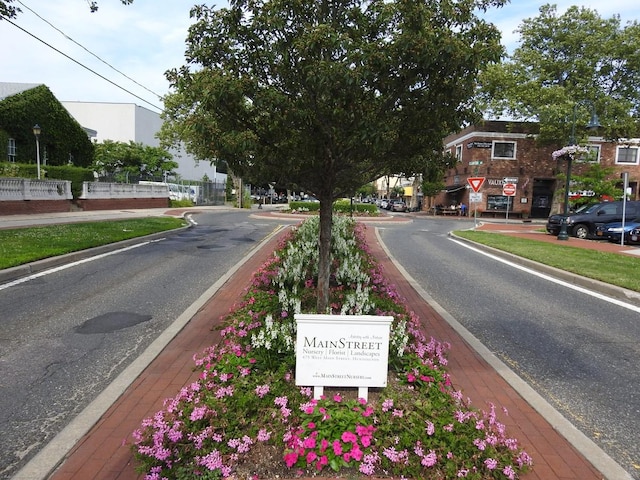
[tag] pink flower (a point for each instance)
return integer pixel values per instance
(322, 461)
(311, 456)
(290, 459)
(337, 398)
(430, 459)
(337, 448)
(349, 437)
(430, 428)
(509, 472)
(262, 390)
(309, 442)
(491, 463)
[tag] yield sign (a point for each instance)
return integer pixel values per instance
(475, 183)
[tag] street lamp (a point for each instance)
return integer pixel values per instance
(36, 132)
(593, 124)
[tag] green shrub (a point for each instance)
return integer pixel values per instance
(304, 206)
(180, 203)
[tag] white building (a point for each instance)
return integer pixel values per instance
(128, 122)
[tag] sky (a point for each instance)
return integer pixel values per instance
(129, 48)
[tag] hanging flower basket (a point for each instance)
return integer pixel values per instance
(570, 151)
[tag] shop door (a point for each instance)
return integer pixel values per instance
(542, 197)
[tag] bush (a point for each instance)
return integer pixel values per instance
(180, 203)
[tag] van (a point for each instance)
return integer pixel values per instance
(583, 222)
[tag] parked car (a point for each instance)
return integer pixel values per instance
(613, 231)
(634, 236)
(398, 206)
(383, 204)
(583, 222)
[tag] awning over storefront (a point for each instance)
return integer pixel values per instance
(454, 188)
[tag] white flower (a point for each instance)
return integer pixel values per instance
(570, 151)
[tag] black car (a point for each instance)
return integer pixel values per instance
(583, 222)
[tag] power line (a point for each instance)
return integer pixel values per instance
(82, 65)
(87, 50)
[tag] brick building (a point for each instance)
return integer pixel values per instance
(501, 151)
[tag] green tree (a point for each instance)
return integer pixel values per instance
(328, 95)
(577, 60)
(596, 179)
(122, 160)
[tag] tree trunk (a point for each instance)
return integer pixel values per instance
(324, 244)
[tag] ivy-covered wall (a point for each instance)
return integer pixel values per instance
(62, 137)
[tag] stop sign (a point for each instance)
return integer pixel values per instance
(509, 189)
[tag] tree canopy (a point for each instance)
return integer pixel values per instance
(120, 159)
(328, 95)
(577, 61)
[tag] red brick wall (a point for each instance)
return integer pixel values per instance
(120, 203)
(25, 207)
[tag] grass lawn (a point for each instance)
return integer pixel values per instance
(612, 268)
(24, 245)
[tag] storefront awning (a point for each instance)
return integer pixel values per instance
(454, 188)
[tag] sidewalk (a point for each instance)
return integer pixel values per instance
(104, 452)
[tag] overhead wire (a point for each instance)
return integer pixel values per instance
(86, 49)
(82, 65)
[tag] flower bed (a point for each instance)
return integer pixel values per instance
(246, 418)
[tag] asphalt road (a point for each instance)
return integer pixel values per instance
(66, 335)
(579, 352)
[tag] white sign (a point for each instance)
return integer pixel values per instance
(475, 197)
(342, 350)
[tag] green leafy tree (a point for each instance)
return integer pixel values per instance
(596, 179)
(328, 95)
(577, 60)
(122, 160)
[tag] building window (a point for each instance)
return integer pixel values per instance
(11, 150)
(627, 155)
(594, 154)
(498, 202)
(459, 153)
(503, 150)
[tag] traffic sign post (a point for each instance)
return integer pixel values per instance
(475, 183)
(475, 197)
(508, 190)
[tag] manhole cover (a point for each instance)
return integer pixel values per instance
(111, 322)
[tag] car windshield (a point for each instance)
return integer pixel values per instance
(588, 208)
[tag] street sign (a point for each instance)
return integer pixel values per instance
(509, 189)
(475, 183)
(477, 162)
(510, 180)
(475, 197)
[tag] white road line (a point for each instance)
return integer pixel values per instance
(550, 278)
(72, 264)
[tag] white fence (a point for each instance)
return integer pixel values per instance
(100, 190)
(28, 189)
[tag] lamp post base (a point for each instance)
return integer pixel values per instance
(563, 234)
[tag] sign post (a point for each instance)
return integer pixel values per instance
(475, 183)
(508, 190)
